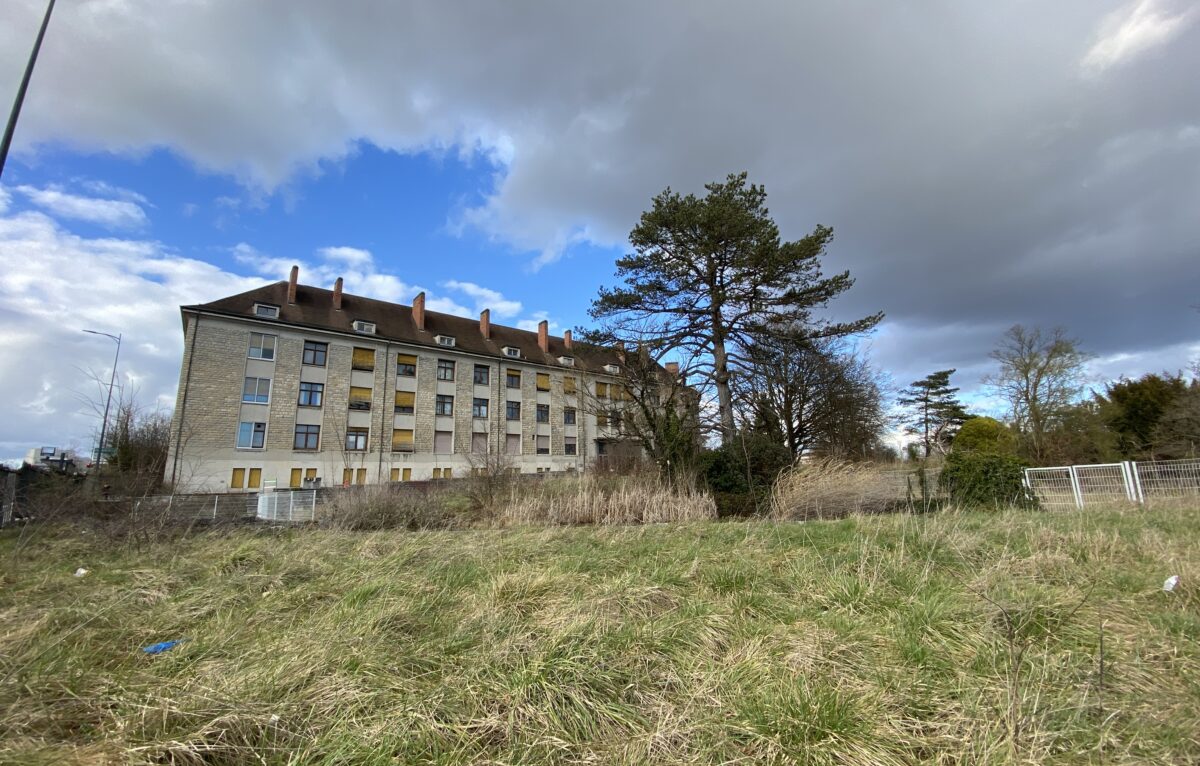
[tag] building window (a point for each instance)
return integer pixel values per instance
(445, 370)
(543, 445)
(513, 379)
(601, 390)
(601, 447)
(615, 418)
(256, 390)
(360, 398)
(406, 402)
(266, 311)
(543, 381)
(447, 473)
(366, 328)
(512, 410)
(543, 413)
(569, 447)
(479, 408)
(315, 353)
(444, 405)
(363, 359)
(406, 366)
(356, 439)
(255, 479)
(402, 440)
(307, 437)
(512, 444)
(569, 416)
(482, 374)
(251, 435)
(401, 475)
(294, 480)
(238, 479)
(444, 340)
(612, 369)
(479, 444)
(569, 384)
(515, 353)
(567, 361)
(443, 442)
(602, 420)
(311, 394)
(262, 346)
(437, 473)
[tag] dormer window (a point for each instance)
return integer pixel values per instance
(444, 340)
(567, 361)
(366, 328)
(612, 369)
(266, 311)
(512, 351)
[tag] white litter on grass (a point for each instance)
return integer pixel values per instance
(80, 572)
(274, 718)
(1170, 584)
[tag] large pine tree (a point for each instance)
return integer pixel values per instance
(711, 275)
(935, 412)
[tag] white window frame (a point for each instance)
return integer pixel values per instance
(445, 340)
(262, 337)
(567, 361)
(252, 424)
(272, 311)
(364, 328)
(257, 390)
(612, 369)
(512, 352)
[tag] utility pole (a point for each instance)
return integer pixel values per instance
(20, 99)
(108, 402)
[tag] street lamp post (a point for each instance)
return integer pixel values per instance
(11, 127)
(107, 402)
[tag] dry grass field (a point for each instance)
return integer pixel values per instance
(1008, 637)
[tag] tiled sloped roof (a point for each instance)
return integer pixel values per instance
(393, 321)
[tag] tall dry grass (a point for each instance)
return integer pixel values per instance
(639, 499)
(834, 489)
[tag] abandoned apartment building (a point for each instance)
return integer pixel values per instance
(290, 385)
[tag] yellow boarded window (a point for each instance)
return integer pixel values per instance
(347, 476)
(437, 473)
(255, 478)
(238, 480)
(601, 390)
(402, 440)
(543, 381)
(310, 473)
(568, 385)
(626, 394)
(295, 480)
(601, 419)
(360, 394)
(395, 474)
(406, 399)
(407, 475)
(361, 478)
(446, 473)
(364, 359)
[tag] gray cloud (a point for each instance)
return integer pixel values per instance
(982, 164)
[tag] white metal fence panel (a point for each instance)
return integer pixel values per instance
(1136, 482)
(285, 506)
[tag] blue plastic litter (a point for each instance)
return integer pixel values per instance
(162, 646)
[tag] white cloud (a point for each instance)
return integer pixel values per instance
(486, 298)
(113, 213)
(538, 318)
(1134, 30)
(349, 255)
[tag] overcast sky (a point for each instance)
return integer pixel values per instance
(982, 164)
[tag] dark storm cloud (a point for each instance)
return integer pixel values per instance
(982, 163)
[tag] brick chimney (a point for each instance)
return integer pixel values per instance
(418, 309)
(337, 294)
(621, 351)
(544, 336)
(567, 339)
(485, 323)
(292, 284)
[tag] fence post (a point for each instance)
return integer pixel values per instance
(1139, 496)
(214, 516)
(1075, 487)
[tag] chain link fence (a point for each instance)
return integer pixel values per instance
(1138, 482)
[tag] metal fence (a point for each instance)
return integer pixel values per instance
(285, 506)
(1138, 482)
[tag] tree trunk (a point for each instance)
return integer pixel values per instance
(724, 395)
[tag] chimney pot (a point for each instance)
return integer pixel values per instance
(292, 279)
(485, 323)
(567, 339)
(337, 294)
(418, 311)
(544, 336)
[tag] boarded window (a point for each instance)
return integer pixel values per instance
(361, 477)
(406, 402)
(443, 442)
(601, 390)
(512, 444)
(543, 445)
(238, 480)
(437, 473)
(446, 472)
(360, 398)
(363, 359)
(601, 419)
(543, 381)
(255, 480)
(295, 479)
(402, 440)
(398, 475)
(479, 444)
(569, 384)
(395, 474)
(310, 474)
